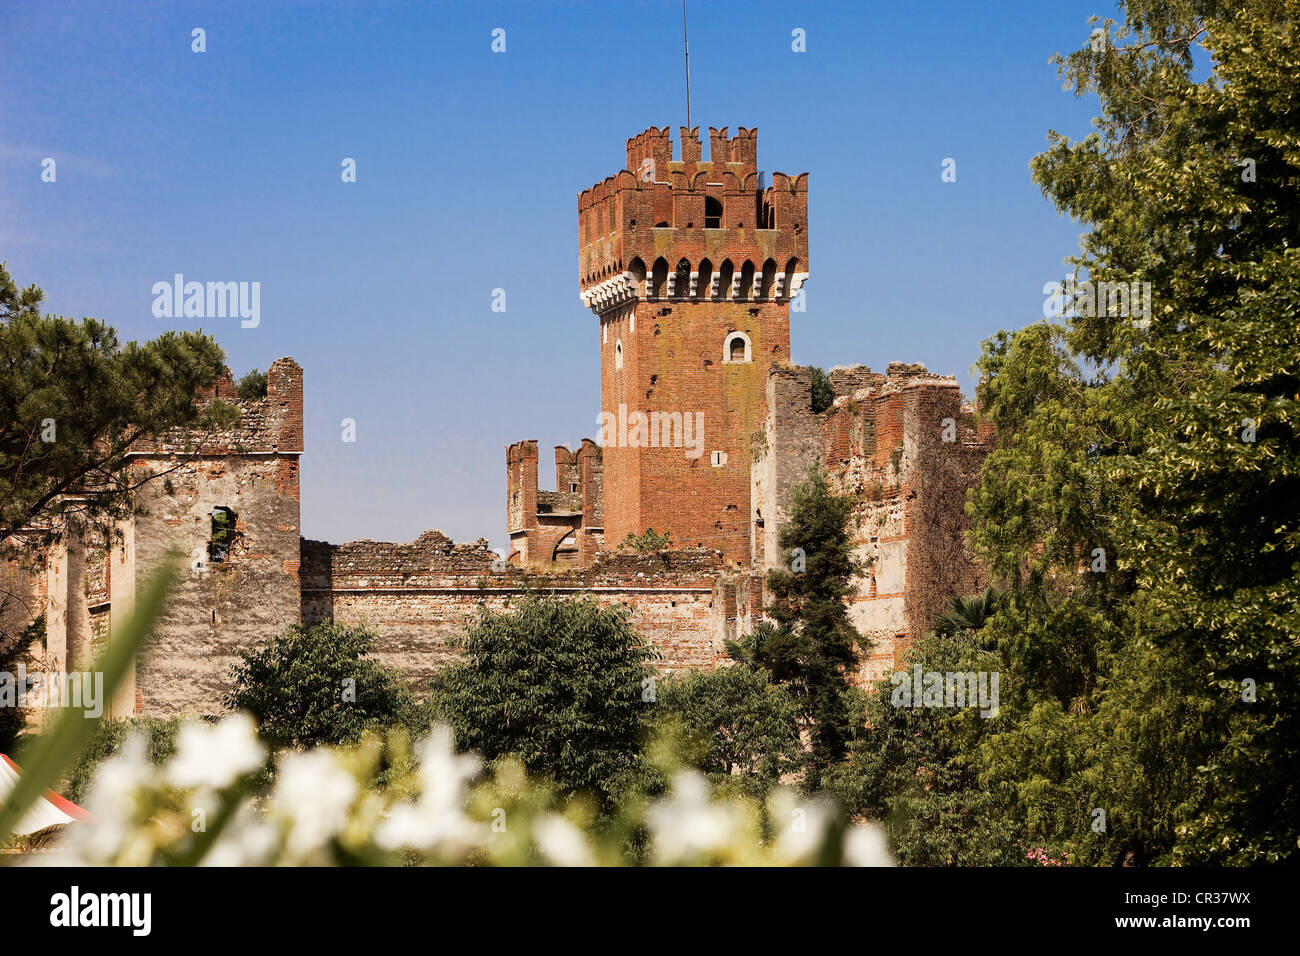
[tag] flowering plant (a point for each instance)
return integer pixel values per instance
(326, 806)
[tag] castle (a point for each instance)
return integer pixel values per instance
(693, 269)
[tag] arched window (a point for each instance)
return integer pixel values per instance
(736, 349)
(659, 278)
(768, 280)
(637, 268)
(746, 280)
(712, 213)
(566, 551)
(618, 353)
(725, 272)
(682, 283)
(705, 277)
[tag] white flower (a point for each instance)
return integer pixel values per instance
(215, 755)
(688, 825)
(313, 794)
(867, 846)
(246, 841)
(804, 826)
(436, 820)
(561, 842)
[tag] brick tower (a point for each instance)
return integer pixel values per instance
(691, 267)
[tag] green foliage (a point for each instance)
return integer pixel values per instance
(559, 684)
(735, 725)
(252, 386)
(1163, 685)
(13, 651)
(648, 542)
(74, 402)
(47, 756)
(823, 393)
(809, 644)
(107, 741)
(315, 685)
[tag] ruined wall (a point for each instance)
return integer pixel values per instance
(222, 603)
(418, 595)
(564, 526)
(885, 441)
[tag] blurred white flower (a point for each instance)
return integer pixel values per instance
(803, 826)
(561, 842)
(113, 801)
(215, 755)
(689, 825)
(313, 795)
(247, 840)
(437, 820)
(867, 845)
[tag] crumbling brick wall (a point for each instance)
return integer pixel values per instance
(222, 603)
(906, 449)
(416, 596)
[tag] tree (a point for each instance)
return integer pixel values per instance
(823, 392)
(74, 403)
(917, 768)
(253, 385)
(809, 643)
(736, 725)
(1140, 508)
(562, 685)
(316, 685)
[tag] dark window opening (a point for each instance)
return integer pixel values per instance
(738, 349)
(712, 213)
(223, 534)
(683, 277)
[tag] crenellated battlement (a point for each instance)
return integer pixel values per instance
(688, 228)
(564, 526)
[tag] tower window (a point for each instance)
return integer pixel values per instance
(737, 349)
(718, 459)
(223, 534)
(618, 354)
(712, 213)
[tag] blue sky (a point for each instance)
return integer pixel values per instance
(225, 165)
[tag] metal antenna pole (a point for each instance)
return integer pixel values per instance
(687, 43)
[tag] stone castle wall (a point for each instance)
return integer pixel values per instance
(418, 596)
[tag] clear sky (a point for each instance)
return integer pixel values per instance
(225, 166)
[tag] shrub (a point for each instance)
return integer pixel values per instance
(558, 684)
(315, 685)
(108, 740)
(736, 726)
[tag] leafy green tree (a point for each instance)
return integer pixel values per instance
(1140, 508)
(823, 392)
(253, 385)
(917, 769)
(809, 642)
(74, 403)
(13, 652)
(736, 725)
(316, 685)
(562, 685)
